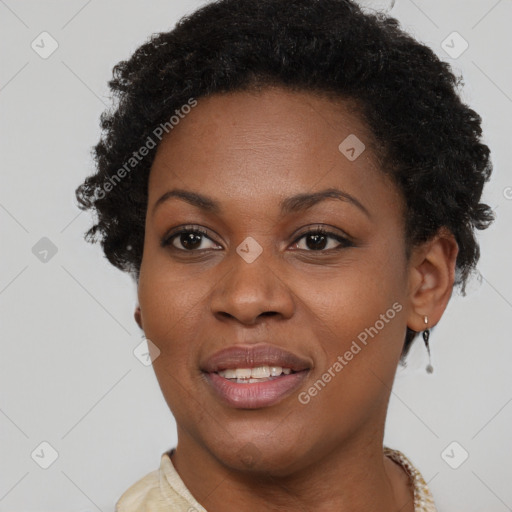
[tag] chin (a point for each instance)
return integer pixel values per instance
(276, 457)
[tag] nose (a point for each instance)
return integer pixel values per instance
(251, 291)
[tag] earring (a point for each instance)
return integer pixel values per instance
(426, 335)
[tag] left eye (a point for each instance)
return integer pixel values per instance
(318, 240)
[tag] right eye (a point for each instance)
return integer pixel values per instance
(190, 238)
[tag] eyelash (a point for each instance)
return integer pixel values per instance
(344, 242)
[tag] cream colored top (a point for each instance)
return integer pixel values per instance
(163, 490)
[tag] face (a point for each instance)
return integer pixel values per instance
(317, 283)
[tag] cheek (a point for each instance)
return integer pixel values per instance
(172, 306)
(358, 313)
(171, 315)
(354, 294)
(360, 328)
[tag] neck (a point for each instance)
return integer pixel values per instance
(354, 477)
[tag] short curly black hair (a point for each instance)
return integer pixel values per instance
(425, 137)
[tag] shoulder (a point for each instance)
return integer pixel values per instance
(135, 497)
(423, 499)
(161, 490)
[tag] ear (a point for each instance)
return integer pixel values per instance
(138, 317)
(431, 278)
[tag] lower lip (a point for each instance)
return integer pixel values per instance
(255, 394)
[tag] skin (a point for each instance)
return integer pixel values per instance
(248, 151)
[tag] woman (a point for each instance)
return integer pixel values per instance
(294, 185)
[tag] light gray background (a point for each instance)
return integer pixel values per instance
(68, 375)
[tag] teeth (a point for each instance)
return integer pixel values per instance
(254, 374)
(243, 373)
(260, 372)
(275, 371)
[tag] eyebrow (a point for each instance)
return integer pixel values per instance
(293, 204)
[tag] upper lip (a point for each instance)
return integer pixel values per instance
(251, 356)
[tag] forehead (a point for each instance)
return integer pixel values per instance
(267, 144)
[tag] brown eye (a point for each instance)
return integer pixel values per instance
(188, 239)
(319, 240)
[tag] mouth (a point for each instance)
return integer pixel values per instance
(256, 376)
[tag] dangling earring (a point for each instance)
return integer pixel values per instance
(426, 334)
